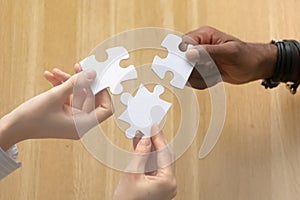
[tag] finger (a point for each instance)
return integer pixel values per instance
(55, 82)
(77, 68)
(85, 99)
(202, 35)
(205, 53)
(158, 139)
(151, 165)
(192, 55)
(164, 155)
(200, 83)
(103, 104)
(205, 73)
(205, 65)
(187, 40)
(103, 99)
(51, 78)
(66, 89)
(89, 101)
(83, 102)
(60, 75)
(76, 82)
(138, 136)
(142, 151)
(143, 146)
(82, 90)
(209, 35)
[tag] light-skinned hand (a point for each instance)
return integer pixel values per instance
(155, 185)
(51, 114)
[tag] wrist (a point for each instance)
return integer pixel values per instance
(266, 57)
(10, 131)
(267, 60)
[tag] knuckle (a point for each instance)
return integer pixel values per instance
(170, 184)
(207, 29)
(211, 50)
(173, 187)
(173, 184)
(236, 47)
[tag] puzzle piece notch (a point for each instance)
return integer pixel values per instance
(141, 99)
(109, 72)
(143, 110)
(176, 62)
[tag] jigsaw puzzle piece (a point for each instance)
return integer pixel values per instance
(157, 114)
(109, 72)
(143, 110)
(176, 62)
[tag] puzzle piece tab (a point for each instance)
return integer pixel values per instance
(109, 72)
(143, 110)
(176, 62)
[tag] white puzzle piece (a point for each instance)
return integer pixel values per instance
(143, 110)
(176, 62)
(109, 72)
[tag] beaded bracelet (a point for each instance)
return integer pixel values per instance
(287, 69)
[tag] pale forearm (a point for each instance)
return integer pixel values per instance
(10, 131)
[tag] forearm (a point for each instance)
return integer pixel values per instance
(9, 135)
(10, 131)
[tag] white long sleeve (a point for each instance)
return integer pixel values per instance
(8, 163)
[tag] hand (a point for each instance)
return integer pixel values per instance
(238, 62)
(156, 185)
(52, 115)
(83, 100)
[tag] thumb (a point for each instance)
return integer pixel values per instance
(206, 57)
(76, 82)
(165, 156)
(80, 80)
(201, 54)
(143, 146)
(142, 152)
(82, 93)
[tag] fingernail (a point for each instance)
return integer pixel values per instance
(145, 141)
(90, 74)
(182, 46)
(192, 55)
(138, 134)
(155, 129)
